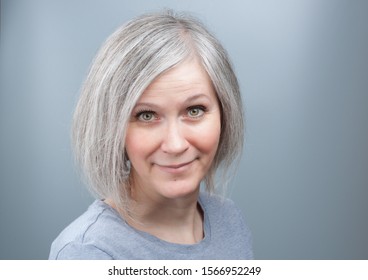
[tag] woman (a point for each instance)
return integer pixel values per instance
(159, 113)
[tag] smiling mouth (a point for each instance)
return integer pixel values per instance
(175, 168)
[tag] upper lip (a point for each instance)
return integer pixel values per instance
(175, 166)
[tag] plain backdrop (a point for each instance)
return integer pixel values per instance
(303, 68)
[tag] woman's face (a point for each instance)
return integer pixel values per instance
(173, 133)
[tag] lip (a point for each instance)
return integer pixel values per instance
(175, 168)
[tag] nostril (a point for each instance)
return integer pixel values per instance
(174, 142)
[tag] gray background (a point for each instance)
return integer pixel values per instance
(303, 69)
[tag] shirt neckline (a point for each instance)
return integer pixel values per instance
(178, 248)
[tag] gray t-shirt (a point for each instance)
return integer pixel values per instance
(101, 233)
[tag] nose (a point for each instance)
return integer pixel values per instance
(174, 141)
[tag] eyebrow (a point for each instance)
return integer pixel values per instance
(188, 100)
(196, 96)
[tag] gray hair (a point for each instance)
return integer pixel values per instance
(130, 59)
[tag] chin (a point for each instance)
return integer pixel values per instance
(179, 189)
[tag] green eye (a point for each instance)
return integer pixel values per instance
(146, 116)
(195, 112)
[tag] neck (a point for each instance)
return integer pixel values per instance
(178, 220)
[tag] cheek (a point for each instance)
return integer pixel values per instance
(137, 145)
(206, 137)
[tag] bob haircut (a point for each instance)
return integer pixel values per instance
(130, 59)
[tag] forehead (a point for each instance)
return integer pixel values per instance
(188, 76)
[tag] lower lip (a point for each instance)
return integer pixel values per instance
(176, 170)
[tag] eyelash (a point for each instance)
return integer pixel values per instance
(200, 107)
(139, 114)
(142, 112)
